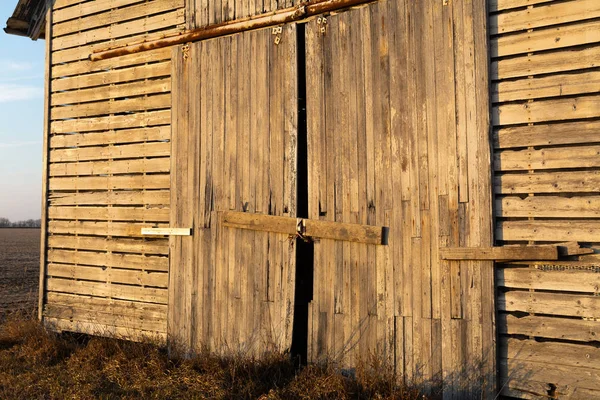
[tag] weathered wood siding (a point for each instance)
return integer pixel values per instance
(546, 116)
(108, 168)
(398, 127)
(201, 13)
(234, 148)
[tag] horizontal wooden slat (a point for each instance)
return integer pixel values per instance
(577, 355)
(553, 158)
(116, 76)
(111, 91)
(80, 70)
(110, 182)
(156, 312)
(548, 86)
(547, 110)
(549, 327)
(152, 165)
(499, 253)
(112, 16)
(112, 275)
(166, 231)
(144, 103)
(549, 134)
(58, 4)
(525, 390)
(548, 182)
(136, 120)
(125, 261)
(546, 39)
(160, 246)
(562, 376)
(85, 8)
(309, 227)
(549, 230)
(125, 136)
(131, 229)
(498, 5)
(119, 30)
(136, 293)
(549, 206)
(533, 278)
(571, 305)
(156, 149)
(557, 61)
(83, 52)
(81, 314)
(110, 213)
(153, 197)
(544, 15)
(96, 329)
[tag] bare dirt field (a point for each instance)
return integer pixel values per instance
(19, 268)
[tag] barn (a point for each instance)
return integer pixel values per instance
(416, 182)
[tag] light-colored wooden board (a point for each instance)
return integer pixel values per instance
(140, 119)
(548, 206)
(567, 354)
(119, 30)
(547, 110)
(552, 158)
(125, 136)
(549, 230)
(139, 214)
(155, 149)
(565, 281)
(113, 76)
(549, 327)
(112, 91)
(570, 59)
(579, 132)
(81, 169)
(124, 292)
(499, 253)
(543, 15)
(562, 376)
(100, 228)
(572, 305)
(125, 261)
(158, 181)
(73, 313)
(112, 331)
(166, 231)
(548, 182)
(157, 312)
(153, 102)
(546, 39)
(86, 67)
(547, 86)
(499, 5)
(127, 197)
(113, 275)
(121, 245)
(112, 16)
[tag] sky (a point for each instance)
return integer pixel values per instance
(21, 122)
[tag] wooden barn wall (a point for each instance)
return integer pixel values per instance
(201, 13)
(398, 128)
(234, 149)
(108, 166)
(546, 116)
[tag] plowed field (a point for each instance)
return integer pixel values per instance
(19, 268)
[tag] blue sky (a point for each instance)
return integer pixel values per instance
(21, 122)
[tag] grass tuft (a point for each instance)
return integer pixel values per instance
(37, 363)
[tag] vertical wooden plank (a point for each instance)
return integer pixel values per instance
(45, 158)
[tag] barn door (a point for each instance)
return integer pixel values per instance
(234, 150)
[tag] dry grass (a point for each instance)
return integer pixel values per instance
(35, 363)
